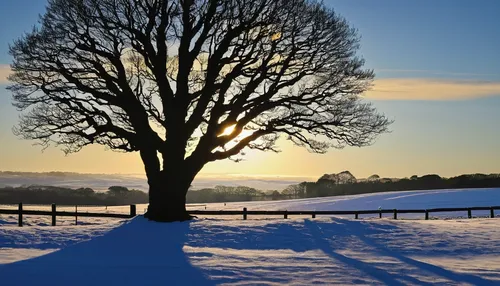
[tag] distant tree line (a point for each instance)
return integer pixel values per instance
(343, 183)
(231, 194)
(346, 184)
(116, 195)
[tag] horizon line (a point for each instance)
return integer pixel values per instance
(256, 176)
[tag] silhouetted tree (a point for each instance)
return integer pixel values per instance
(431, 177)
(329, 180)
(170, 78)
(85, 191)
(117, 190)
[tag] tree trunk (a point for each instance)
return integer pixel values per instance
(168, 186)
(167, 196)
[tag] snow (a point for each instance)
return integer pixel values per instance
(426, 199)
(263, 251)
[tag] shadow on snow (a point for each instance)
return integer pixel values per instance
(148, 253)
(136, 253)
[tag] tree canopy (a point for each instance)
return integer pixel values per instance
(194, 81)
(125, 67)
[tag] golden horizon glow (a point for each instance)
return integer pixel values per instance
(5, 71)
(431, 89)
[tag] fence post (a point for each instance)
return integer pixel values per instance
(492, 212)
(20, 210)
(380, 214)
(286, 214)
(244, 213)
(313, 215)
(133, 211)
(426, 214)
(53, 214)
(395, 214)
(469, 213)
(76, 214)
(356, 215)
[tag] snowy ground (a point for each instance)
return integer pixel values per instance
(297, 251)
(389, 200)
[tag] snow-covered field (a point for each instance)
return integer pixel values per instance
(263, 251)
(388, 200)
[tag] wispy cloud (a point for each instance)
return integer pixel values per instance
(433, 72)
(431, 89)
(404, 88)
(4, 73)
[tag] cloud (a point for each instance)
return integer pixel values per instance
(433, 72)
(4, 73)
(404, 88)
(431, 89)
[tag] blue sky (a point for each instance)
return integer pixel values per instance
(438, 77)
(455, 36)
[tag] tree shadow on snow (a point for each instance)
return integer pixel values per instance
(135, 253)
(332, 237)
(364, 232)
(148, 253)
(299, 237)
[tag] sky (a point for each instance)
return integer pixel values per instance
(437, 68)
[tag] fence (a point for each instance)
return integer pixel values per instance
(245, 213)
(54, 213)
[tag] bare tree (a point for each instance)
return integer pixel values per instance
(187, 82)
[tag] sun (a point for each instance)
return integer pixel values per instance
(229, 130)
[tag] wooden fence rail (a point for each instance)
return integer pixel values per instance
(245, 213)
(54, 213)
(285, 213)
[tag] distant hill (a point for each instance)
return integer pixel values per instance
(344, 183)
(74, 188)
(101, 182)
